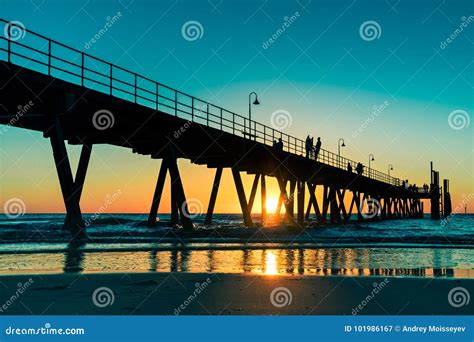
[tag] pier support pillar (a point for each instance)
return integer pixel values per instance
(263, 195)
(253, 192)
(80, 178)
(313, 202)
(282, 184)
(178, 197)
(155, 203)
(212, 200)
(325, 203)
(356, 199)
(291, 198)
(281, 198)
(342, 207)
(301, 192)
(334, 215)
(74, 222)
(241, 194)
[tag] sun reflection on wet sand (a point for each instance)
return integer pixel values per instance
(270, 263)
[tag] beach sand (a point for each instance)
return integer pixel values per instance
(227, 294)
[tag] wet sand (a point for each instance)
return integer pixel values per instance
(227, 294)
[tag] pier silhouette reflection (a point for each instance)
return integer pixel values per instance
(320, 261)
(323, 262)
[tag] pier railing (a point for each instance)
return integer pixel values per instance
(31, 50)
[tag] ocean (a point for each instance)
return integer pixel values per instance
(36, 243)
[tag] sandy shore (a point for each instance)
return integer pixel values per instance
(227, 294)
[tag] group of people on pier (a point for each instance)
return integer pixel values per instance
(278, 145)
(312, 151)
(359, 168)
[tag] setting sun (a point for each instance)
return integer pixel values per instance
(272, 203)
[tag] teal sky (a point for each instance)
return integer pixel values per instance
(320, 70)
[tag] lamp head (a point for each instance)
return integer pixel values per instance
(343, 145)
(256, 101)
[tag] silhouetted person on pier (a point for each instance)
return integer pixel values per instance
(425, 187)
(317, 148)
(349, 167)
(359, 168)
(279, 145)
(274, 144)
(308, 146)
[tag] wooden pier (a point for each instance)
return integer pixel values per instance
(83, 100)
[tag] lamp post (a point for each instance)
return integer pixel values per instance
(390, 168)
(371, 158)
(250, 110)
(339, 151)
